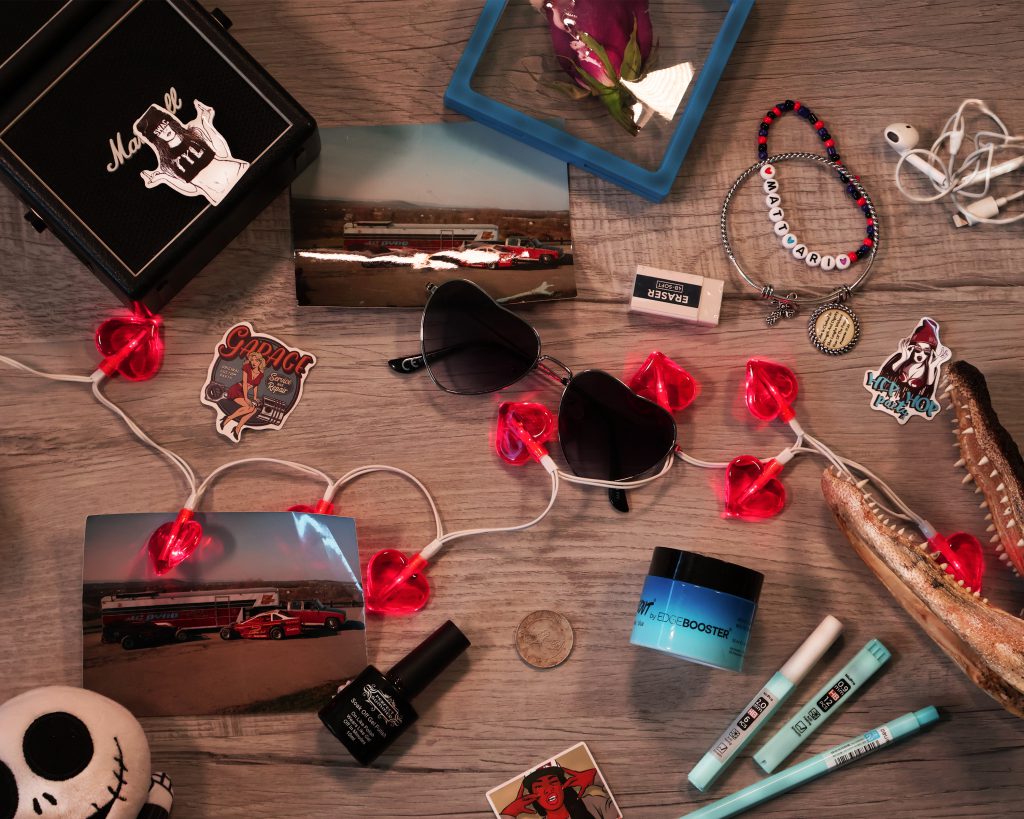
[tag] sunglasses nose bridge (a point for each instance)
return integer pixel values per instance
(561, 379)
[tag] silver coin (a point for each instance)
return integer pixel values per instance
(544, 639)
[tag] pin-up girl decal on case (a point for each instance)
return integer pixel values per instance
(193, 159)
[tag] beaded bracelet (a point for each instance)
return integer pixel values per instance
(773, 198)
(834, 328)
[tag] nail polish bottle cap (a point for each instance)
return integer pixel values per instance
(421, 666)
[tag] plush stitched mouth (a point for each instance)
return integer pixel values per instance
(991, 459)
(102, 811)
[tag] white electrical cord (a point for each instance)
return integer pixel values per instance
(432, 548)
(570, 478)
(371, 468)
(956, 177)
(197, 495)
(10, 362)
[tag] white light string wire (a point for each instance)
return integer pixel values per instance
(197, 490)
(961, 176)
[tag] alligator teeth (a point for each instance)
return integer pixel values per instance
(994, 539)
(1004, 557)
(1020, 543)
(977, 490)
(949, 389)
(902, 530)
(959, 463)
(1001, 487)
(863, 483)
(943, 566)
(993, 473)
(969, 431)
(983, 460)
(983, 505)
(999, 548)
(990, 528)
(1005, 499)
(967, 478)
(988, 516)
(1011, 523)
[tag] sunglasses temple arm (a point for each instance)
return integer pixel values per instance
(412, 363)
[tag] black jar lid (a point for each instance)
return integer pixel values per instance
(709, 572)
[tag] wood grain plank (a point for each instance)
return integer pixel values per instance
(648, 717)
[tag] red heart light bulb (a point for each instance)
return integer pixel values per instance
(663, 381)
(752, 489)
(174, 542)
(523, 428)
(323, 507)
(963, 556)
(770, 390)
(131, 345)
(396, 584)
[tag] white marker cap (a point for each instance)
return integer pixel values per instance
(812, 649)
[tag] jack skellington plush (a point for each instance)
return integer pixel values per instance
(68, 753)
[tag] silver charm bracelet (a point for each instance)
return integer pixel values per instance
(834, 328)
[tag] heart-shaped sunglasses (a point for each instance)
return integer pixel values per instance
(470, 345)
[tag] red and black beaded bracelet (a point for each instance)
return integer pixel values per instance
(773, 200)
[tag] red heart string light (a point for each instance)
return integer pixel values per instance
(396, 584)
(522, 429)
(963, 556)
(663, 381)
(174, 542)
(751, 488)
(322, 507)
(770, 390)
(131, 345)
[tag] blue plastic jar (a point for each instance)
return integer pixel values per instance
(698, 608)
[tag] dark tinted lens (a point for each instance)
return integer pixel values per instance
(471, 344)
(609, 432)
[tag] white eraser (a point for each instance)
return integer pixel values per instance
(676, 295)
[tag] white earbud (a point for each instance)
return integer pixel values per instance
(904, 138)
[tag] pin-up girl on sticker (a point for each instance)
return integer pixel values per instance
(554, 792)
(193, 159)
(252, 375)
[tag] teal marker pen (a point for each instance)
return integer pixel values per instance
(825, 762)
(764, 704)
(815, 712)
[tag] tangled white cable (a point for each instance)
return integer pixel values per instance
(966, 182)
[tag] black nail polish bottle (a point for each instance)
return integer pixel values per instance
(373, 710)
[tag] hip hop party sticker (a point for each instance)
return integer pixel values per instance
(905, 385)
(254, 381)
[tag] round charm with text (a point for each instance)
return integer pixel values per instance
(834, 329)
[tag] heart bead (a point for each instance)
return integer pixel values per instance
(131, 345)
(174, 542)
(962, 552)
(765, 502)
(536, 419)
(663, 381)
(381, 572)
(770, 389)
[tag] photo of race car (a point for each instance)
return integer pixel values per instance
(271, 625)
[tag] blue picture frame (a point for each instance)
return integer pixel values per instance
(650, 184)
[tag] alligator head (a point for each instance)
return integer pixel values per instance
(986, 642)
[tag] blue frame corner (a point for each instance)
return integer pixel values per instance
(653, 185)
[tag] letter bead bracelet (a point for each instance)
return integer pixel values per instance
(834, 328)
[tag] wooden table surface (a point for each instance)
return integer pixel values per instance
(647, 716)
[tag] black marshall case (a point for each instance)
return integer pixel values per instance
(142, 135)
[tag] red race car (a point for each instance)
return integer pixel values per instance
(271, 625)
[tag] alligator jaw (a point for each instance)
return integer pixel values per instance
(992, 461)
(987, 643)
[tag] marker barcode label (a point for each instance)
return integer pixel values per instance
(735, 735)
(856, 748)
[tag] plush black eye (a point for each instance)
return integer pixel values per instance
(57, 746)
(8, 793)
